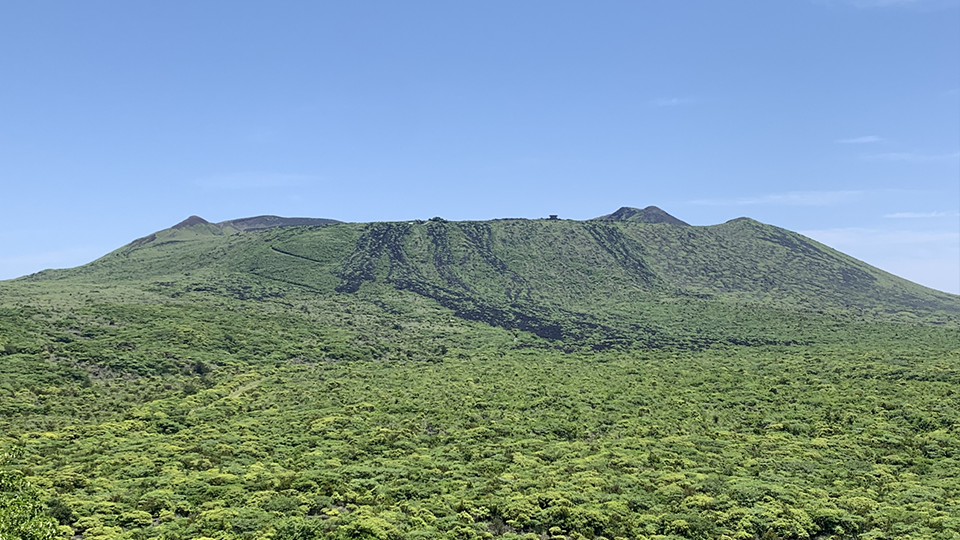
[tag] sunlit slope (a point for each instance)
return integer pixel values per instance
(631, 377)
(744, 258)
(604, 282)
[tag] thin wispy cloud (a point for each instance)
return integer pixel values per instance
(20, 265)
(882, 3)
(790, 198)
(253, 181)
(928, 257)
(921, 5)
(860, 140)
(919, 215)
(671, 102)
(857, 236)
(912, 157)
(937, 272)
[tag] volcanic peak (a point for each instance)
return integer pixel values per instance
(650, 214)
(191, 221)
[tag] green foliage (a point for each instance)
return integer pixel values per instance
(744, 442)
(509, 379)
(21, 512)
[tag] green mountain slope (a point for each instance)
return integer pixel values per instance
(614, 281)
(630, 376)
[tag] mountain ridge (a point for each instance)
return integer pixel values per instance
(610, 282)
(602, 378)
(650, 214)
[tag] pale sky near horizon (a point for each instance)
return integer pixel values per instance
(839, 119)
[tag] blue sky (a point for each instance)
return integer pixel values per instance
(838, 119)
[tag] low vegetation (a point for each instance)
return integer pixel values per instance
(428, 380)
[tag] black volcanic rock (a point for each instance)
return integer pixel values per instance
(650, 214)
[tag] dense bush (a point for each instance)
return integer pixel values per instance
(154, 394)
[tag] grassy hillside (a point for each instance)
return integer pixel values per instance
(609, 283)
(505, 379)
